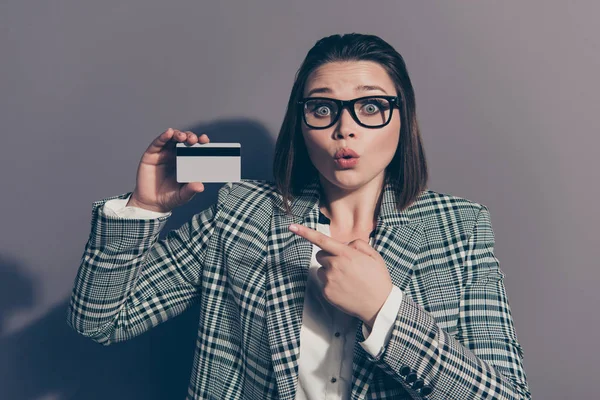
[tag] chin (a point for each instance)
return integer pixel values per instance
(346, 179)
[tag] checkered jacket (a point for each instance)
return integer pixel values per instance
(454, 331)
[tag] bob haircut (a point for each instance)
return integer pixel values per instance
(407, 172)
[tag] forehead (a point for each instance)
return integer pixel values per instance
(343, 77)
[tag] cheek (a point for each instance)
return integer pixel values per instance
(388, 143)
(313, 142)
(316, 150)
(394, 137)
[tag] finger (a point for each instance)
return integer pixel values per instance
(180, 136)
(324, 258)
(325, 242)
(363, 247)
(203, 138)
(161, 141)
(177, 137)
(189, 190)
(191, 137)
(322, 274)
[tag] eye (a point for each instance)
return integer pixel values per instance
(322, 110)
(373, 106)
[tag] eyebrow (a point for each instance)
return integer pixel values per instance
(359, 88)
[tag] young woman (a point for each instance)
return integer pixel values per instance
(386, 290)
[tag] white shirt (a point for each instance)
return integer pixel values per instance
(327, 334)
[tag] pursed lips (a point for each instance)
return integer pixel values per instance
(346, 154)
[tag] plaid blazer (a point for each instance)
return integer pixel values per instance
(454, 331)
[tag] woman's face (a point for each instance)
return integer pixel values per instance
(375, 146)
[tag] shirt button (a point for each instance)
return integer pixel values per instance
(337, 334)
(333, 380)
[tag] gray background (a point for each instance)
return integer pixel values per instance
(507, 97)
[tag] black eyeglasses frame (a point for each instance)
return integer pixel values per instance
(394, 102)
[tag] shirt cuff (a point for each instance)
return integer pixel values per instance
(119, 208)
(379, 337)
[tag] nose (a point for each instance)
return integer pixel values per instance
(346, 126)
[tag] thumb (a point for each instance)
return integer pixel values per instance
(189, 190)
(364, 247)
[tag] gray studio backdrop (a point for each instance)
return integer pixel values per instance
(507, 97)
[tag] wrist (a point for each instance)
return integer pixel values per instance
(369, 320)
(134, 203)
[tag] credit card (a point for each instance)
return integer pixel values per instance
(208, 162)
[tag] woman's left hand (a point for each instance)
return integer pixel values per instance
(355, 277)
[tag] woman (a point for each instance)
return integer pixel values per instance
(386, 290)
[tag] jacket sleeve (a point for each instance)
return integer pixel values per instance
(129, 281)
(483, 360)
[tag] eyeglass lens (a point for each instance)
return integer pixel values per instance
(371, 112)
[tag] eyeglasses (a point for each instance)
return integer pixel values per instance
(368, 111)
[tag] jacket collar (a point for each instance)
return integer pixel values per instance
(305, 204)
(398, 238)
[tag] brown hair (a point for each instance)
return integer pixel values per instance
(292, 167)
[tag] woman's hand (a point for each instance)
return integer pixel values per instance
(355, 277)
(156, 187)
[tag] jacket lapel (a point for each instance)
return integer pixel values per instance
(398, 240)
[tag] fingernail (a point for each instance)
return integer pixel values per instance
(294, 228)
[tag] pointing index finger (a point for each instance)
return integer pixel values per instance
(325, 242)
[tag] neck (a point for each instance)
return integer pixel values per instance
(354, 209)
